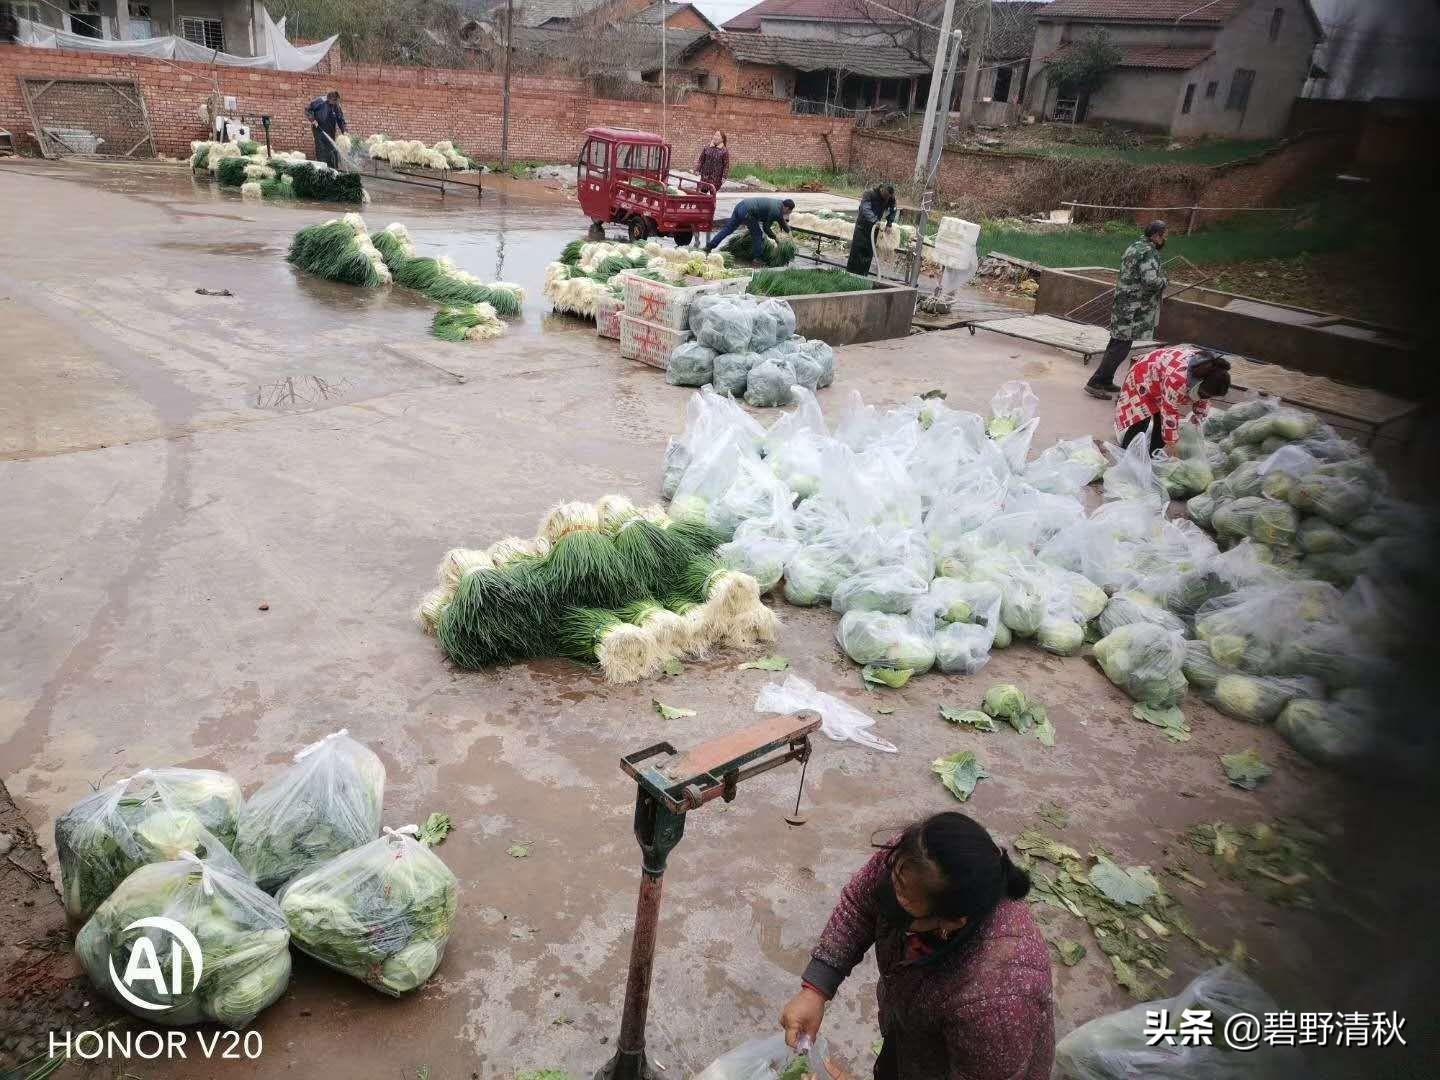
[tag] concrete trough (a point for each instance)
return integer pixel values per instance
(1313, 342)
(852, 317)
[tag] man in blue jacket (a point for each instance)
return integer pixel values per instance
(326, 121)
(757, 215)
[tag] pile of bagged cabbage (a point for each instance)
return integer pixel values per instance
(938, 537)
(747, 347)
(303, 861)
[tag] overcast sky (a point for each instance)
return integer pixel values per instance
(719, 11)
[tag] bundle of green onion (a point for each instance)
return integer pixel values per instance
(608, 583)
(440, 279)
(339, 250)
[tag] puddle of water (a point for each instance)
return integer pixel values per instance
(300, 392)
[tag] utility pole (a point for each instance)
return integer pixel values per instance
(932, 164)
(978, 40)
(505, 89)
(922, 156)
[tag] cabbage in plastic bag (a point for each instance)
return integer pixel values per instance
(815, 571)
(762, 557)
(783, 314)
(1145, 661)
(326, 803)
(149, 817)
(1256, 698)
(1013, 405)
(1184, 477)
(690, 364)
(1061, 636)
(1337, 499)
(1132, 477)
(824, 356)
(731, 372)
(768, 1059)
(1067, 467)
(873, 637)
(807, 371)
(892, 589)
(708, 417)
(1200, 669)
(728, 325)
(1263, 520)
(766, 330)
(243, 940)
(1201, 509)
(1327, 732)
(1116, 1047)
(381, 913)
(769, 384)
(1129, 606)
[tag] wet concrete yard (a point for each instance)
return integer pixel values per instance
(170, 462)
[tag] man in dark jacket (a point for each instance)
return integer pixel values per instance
(326, 121)
(876, 203)
(759, 216)
(1139, 289)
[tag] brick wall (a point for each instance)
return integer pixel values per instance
(973, 176)
(746, 80)
(548, 115)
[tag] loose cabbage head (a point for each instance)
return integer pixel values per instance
(1063, 637)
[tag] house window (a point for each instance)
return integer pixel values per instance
(22, 11)
(207, 32)
(1002, 84)
(1210, 88)
(1240, 90)
(1189, 98)
(85, 18)
(142, 26)
(1277, 20)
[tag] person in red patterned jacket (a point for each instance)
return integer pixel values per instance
(965, 990)
(1165, 385)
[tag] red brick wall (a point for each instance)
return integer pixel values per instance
(747, 80)
(548, 115)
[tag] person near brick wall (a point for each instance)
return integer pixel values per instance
(875, 204)
(1139, 288)
(326, 120)
(714, 163)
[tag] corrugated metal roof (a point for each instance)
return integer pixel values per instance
(1155, 57)
(807, 54)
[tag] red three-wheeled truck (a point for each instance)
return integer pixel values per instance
(624, 178)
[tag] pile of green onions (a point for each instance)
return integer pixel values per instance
(606, 583)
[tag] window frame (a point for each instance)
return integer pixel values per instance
(1189, 102)
(205, 24)
(1241, 83)
(1277, 21)
(1211, 89)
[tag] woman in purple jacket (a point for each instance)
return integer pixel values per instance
(714, 163)
(964, 988)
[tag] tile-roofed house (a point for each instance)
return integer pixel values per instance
(1228, 67)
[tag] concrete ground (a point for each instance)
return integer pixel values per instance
(172, 463)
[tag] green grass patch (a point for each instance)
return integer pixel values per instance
(1255, 236)
(801, 177)
(515, 168)
(805, 282)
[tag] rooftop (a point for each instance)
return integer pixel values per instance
(807, 54)
(1154, 57)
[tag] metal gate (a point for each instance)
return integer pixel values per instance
(88, 116)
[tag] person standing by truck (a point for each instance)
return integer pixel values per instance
(714, 163)
(759, 216)
(877, 203)
(327, 120)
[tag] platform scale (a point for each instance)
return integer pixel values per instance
(668, 786)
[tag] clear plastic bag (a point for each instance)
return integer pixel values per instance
(765, 1059)
(728, 325)
(1257, 698)
(1336, 497)
(149, 817)
(1015, 445)
(1263, 520)
(766, 330)
(700, 310)
(1145, 661)
(1333, 733)
(1131, 476)
(769, 383)
(974, 500)
(756, 492)
(807, 371)
(1185, 476)
(1066, 468)
(1130, 606)
(893, 641)
(1115, 1047)
(1247, 629)
(762, 557)
(731, 372)
(1029, 519)
(241, 933)
(784, 316)
(816, 570)
(690, 364)
(838, 721)
(380, 913)
(892, 589)
(326, 803)
(824, 356)
(808, 418)
(1013, 406)
(708, 415)
(712, 470)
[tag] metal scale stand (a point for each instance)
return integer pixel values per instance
(668, 786)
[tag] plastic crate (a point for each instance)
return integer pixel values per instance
(648, 342)
(608, 310)
(668, 305)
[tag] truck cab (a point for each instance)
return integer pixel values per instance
(624, 178)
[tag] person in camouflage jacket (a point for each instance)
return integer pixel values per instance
(1138, 292)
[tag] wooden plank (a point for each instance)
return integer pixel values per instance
(1060, 333)
(1324, 395)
